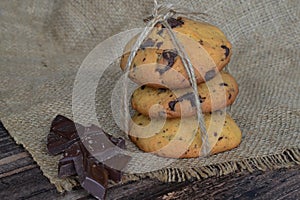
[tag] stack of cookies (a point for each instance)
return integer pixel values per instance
(165, 122)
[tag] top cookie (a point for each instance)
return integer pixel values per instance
(157, 63)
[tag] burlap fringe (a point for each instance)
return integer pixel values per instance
(286, 159)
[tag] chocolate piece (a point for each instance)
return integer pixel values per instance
(82, 157)
(223, 84)
(96, 171)
(66, 168)
(66, 165)
(94, 178)
(160, 32)
(172, 105)
(201, 42)
(188, 96)
(115, 165)
(98, 144)
(63, 133)
(56, 144)
(174, 22)
(119, 142)
(158, 45)
(227, 50)
(92, 175)
(93, 187)
(202, 99)
(101, 151)
(161, 90)
(147, 43)
(65, 127)
(169, 56)
(210, 74)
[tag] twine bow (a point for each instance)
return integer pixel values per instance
(161, 13)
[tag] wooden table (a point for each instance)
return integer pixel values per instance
(21, 178)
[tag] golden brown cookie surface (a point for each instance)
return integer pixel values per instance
(157, 62)
(181, 137)
(215, 94)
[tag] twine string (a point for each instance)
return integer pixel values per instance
(132, 54)
(160, 13)
(190, 71)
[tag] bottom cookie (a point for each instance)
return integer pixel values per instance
(180, 138)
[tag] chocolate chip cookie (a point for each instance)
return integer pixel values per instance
(157, 63)
(215, 94)
(180, 137)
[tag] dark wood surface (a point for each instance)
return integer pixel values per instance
(21, 178)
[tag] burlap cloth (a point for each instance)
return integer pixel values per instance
(44, 42)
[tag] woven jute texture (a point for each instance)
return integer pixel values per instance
(44, 42)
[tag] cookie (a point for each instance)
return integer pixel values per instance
(215, 94)
(157, 63)
(180, 138)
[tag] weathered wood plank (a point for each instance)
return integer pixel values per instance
(53, 194)
(8, 146)
(8, 168)
(14, 149)
(18, 170)
(258, 185)
(24, 184)
(13, 158)
(142, 189)
(5, 138)
(2, 130)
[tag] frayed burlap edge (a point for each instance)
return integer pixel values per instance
(288, 158)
